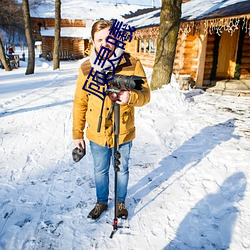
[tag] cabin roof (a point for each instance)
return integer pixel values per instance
(85, 10)
(79, 32)
(193, 10)
(209, 9)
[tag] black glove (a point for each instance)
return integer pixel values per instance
(78, 153)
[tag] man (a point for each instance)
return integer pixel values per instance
(86, 109)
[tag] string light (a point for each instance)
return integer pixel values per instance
(218, 25)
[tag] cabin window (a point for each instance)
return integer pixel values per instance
(152, 45)
(140, 45)
(146, 45)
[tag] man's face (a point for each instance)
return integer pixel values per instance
(100, 39)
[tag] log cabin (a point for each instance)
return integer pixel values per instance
(77, 18)
(213, 41)
(74, 37)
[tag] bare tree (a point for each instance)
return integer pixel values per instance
(56, 59)
(3, 57)
(28, 33)
(11, 24)
(168, 34)
(11, 16)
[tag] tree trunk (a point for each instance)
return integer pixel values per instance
(29, 38)
(168, 34)
(56, 59)
(3, 57)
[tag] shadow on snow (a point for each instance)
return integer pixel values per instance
(23, 110)
(190, 153)
(187, 156)
(210, 223)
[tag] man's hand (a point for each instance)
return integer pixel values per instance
(79, 143)
(79, 151)
(123, 97)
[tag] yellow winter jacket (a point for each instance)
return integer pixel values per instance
(87, 106)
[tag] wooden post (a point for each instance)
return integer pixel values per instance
(144, 45)
(201, 60)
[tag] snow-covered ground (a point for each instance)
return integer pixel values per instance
(189, 169)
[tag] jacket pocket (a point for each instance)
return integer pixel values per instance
(127, 119)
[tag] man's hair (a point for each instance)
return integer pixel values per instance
(100, 25)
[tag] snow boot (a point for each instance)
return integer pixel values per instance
(122, 211)
(97, 210)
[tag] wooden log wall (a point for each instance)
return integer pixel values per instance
(131, 46)
(50, 22)
(47, 45)
(245, 60)
(79, 46)
(191, 55)
(73, 45)
(186, 55)
(178, 61)
(209, 57)
(185, 59)
(146, 57)
(66, 44)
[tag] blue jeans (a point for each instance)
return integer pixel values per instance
(102, 158)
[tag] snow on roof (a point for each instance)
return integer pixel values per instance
(145, 20)
(138, 2)
(195, 10)
(80, 32)
(85, 10)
